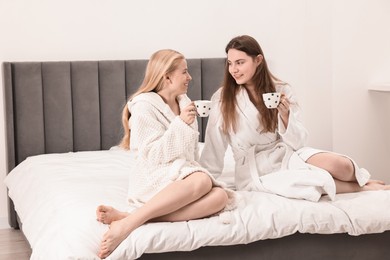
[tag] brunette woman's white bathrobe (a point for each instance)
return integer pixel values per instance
(270, 162)
(166, 147)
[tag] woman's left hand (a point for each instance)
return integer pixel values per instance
(188, 114)
(284, 108)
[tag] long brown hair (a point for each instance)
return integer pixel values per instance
(262, 79)
(161, 64)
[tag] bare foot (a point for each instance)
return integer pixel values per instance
(375, 185)
(118, 232)
(107, 214)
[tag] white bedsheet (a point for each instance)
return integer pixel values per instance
(56, 197)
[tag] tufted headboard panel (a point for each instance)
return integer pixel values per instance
(56, 107)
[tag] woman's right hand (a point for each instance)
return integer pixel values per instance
(188, 114)
(284, 109)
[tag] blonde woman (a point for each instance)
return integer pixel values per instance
(167, 183)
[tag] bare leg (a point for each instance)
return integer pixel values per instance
(191, 194)
(211, 203)
(338, 166)
(375, 185)
(107, 214)
(343, 172)
(346, 187)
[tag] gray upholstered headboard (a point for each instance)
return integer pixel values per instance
(55, 107)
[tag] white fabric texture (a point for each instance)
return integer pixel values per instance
(56, 196)
(166, 147)
(269, 162)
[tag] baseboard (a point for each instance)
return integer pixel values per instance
(4, 223)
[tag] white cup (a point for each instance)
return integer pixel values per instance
(272, 99)
(203, 107)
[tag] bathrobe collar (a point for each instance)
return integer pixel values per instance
(248, 109)
(156, 100)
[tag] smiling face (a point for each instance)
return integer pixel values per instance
(180, 78)
(242, 67)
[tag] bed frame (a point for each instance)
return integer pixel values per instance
(55, 107)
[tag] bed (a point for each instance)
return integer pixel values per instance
(63, 125)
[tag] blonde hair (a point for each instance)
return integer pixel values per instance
(161, 64)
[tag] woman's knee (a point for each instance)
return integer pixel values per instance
(348, 166)
(342, 168)
(335, 164)
(220, 196)
(200, 183)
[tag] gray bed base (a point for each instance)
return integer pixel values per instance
(54, 107)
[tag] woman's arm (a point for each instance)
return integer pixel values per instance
(291, 129)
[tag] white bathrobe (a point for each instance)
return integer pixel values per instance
(166, 147)
(270, 162)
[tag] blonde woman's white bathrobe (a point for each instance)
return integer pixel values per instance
(270, 162)
(166, 147)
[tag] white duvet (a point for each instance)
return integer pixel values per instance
(56, 196)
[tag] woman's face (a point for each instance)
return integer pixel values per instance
(242, 67)
(180, 78)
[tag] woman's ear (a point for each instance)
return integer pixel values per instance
(167, 78)
(259, 59)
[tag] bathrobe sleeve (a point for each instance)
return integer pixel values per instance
(296, 134)
(157, 142)
(216, 141)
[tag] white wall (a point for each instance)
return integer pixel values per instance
(296, 35)
(361, 57)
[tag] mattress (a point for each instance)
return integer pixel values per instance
(56, 195)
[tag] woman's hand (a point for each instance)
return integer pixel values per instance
(284, 109)
(188, 114)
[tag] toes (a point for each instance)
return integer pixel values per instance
(102, 255)
(104, 250)
(100, 218)
(102, 208)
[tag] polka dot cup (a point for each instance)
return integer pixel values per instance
(271, 100)
(203, 107)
